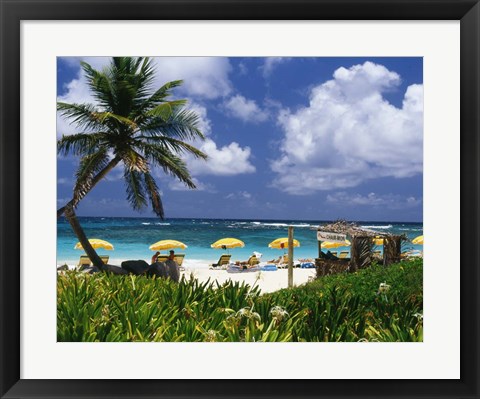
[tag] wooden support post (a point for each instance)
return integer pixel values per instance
(320, 249)
(290, 256)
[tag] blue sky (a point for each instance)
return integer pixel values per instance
(287, 138)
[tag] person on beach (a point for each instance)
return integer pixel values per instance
(154, 257)
(168, 269)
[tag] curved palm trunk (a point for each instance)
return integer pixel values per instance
(77, 229)
(74, 201)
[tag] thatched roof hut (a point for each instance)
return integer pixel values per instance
(362, 243)
(351, 229)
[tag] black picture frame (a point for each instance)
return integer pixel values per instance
(14, 11)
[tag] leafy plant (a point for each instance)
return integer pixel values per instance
(345, 307)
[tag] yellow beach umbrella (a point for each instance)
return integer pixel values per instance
(378, 241)
(167, 244)
(281, 243)
(418, 240)
(96, 243)
(228, 243)
(329, 245)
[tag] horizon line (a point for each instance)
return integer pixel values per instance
(240, 218)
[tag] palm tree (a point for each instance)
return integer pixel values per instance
(130, 124)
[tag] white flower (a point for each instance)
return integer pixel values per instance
(231, 320)
(211, 336)
(247, 313)
(279, 313)
(383, 288)
(419, 316)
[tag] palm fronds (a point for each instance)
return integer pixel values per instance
(154, 195)
(135, 125)
(81, 143)
(84, 116)
(135, 190)
(89, 166)
(182, 124)
(169, 162)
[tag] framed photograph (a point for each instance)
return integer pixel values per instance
(235, 197)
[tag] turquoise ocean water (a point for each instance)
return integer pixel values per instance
(131, 237)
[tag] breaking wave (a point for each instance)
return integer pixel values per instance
(378, 227)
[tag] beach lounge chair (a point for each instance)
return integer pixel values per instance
(162, 258)
(334, 253)
(282, 262)
(252, 261)
(329, 255)
(83, 262)
(224, 260)
(411, 254)
(343, 255)
(179, 260)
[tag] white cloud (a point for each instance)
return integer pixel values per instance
(228, 160)
(204, 78)
(242, 68)
(240, 194)
(77, 92)
(350, 133)
(177, 185)
(65, 181)
(246, 110)
(389, 201)
(204, 123)
(95, 62)
(270, 63)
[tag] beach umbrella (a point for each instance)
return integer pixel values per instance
(378, 241)
(167, 244)
(225, 243)
(418, 240)
(329, 245)
(96, 243)
(282, 243)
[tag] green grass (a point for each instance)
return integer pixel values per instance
(344, 307)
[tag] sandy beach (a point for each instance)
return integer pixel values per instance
(269, 281)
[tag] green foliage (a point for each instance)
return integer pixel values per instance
(344, 307)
